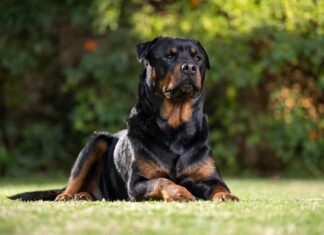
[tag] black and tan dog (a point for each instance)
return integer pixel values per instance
(165, 152)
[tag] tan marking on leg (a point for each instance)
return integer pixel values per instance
(83, 196)
(168, 191)
(63, 197)
(101, 147)
(75, 183)
(151, 170)
(201, 170)
(220, 194)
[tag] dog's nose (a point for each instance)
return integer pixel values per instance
(189, 68)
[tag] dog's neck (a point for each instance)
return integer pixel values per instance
(176, 113)
(173, 113)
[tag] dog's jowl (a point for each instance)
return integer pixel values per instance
(165, 153)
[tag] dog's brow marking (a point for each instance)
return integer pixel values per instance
(193, 50)
(173, 50)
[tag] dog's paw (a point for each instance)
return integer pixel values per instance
(83, 196)
(223, 196)
(63, 197)
(177, 193)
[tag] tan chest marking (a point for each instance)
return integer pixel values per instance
(176, 113)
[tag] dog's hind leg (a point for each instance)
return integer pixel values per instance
(84, 174)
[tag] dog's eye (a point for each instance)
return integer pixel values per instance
(197, 58)
(169, 57)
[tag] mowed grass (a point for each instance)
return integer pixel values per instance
(266, 207)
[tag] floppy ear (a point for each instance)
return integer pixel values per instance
(205, 53)
(142, 49)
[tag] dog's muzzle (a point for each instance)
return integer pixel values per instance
(185, 89)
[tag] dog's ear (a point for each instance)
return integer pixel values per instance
(143, 49)
(205, 53)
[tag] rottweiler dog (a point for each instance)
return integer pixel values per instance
(165, 153)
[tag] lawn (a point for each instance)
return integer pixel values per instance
(266, 207)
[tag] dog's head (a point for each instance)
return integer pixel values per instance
(176, 68)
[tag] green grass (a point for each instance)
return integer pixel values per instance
(266, 207)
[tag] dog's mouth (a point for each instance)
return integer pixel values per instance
(182, 91)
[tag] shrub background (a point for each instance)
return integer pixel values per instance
(68, 68)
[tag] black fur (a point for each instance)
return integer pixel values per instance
(46, 195)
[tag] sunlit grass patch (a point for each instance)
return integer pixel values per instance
(266, 207)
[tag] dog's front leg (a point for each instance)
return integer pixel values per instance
(159, 189)
(203, 179)
(220, 193)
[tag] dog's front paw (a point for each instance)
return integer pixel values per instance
(177, 193)
(224, 196)
(63, 197)
(83, 196)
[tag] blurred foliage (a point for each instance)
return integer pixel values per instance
(68, 68)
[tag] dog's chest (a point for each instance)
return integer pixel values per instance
(170, 158)
(158, 169)
(172, 163)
